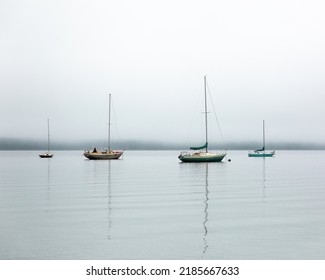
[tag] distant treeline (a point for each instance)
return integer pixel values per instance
(28, 144)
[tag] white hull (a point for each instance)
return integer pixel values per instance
(106, 155)
(201, 157)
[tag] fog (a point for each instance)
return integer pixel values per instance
(11, 144)
(263, 61)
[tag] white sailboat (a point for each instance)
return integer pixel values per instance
(106, 154)
(201, 154)
(47, 154)
(262, 152)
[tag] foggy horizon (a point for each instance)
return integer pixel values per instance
(263, 61)
(34, 144)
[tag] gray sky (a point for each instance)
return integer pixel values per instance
(263, 59)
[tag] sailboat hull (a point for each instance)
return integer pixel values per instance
(202, 157)
(46, 155)
(266, 154)
(103, 155)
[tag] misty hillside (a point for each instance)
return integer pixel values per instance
(28, 144)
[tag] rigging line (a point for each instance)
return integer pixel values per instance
(215, 115)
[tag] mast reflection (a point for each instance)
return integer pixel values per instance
(109, 196)
(206, 206)
(48, 185)
(264, 179)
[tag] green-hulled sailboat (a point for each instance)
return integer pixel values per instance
(262, 152)
(201, 154)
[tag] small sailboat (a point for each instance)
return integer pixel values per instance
(106, 154)
(262, 152)
(48, 154)
(201, 154)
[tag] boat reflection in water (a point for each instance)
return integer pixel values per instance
(206, 205)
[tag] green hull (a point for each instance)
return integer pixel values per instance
(261, 154)
(202, 157)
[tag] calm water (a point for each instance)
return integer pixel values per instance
(150, 206)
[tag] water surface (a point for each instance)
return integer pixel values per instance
(150, 206)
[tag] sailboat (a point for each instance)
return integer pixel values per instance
(262, 152)
(107, 154)
(201, 154)
(48, 154)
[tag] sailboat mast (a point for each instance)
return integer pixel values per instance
(206, 113)
(48, 135)
(263, 137)
(109, 123)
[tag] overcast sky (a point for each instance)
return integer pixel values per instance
(263, 59)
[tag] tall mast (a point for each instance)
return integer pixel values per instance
(206, 114)
(48, 135)
(109, 123)
(263, 137)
